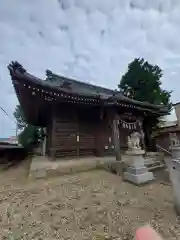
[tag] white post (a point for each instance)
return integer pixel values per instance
(174, 174)
(174, 169)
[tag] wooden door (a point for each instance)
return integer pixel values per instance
(66, 138)
(86, 139)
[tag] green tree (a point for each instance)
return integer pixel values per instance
(29, 134)
(142, 82)
(19, 116)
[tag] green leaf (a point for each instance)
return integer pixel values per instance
(30, 134)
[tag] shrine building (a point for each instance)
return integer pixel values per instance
(79, 119)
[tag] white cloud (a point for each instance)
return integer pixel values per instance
(90, 40)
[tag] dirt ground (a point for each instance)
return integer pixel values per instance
(89, 205)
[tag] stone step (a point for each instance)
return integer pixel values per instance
(153, 160)
(149, 161)
(151, 168)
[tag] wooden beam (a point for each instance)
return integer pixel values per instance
(53, 128)
(116, 139)
(44, 143)
(114, 120)
(117, 149)
(140, 122)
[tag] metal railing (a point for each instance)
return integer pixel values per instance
(163, 149)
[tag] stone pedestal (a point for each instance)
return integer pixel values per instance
(136, 172)
(174, 174)
(175, 151)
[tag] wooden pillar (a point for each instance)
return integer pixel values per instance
(53, 128)
(44, 143)
(142, 134)
(99, 129)
(117, 149)
(116, 139)
(114, 119)
(99, 139)
(78, 130)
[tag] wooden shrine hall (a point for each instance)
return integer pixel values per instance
(79, 119)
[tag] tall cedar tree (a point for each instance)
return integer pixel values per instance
(142, 82)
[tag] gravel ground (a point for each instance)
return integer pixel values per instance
(91, 205)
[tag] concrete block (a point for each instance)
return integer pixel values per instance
(174, 172)
(137, 172)
(40, 173)
(175, 152)
(139, 178)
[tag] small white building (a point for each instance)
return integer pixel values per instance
(13, 140)
(10, 140)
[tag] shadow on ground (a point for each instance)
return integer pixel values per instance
(12, 157)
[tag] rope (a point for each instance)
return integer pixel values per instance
(8, 115)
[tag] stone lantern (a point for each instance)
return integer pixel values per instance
(136, 172)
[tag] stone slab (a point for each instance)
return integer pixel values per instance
(137, 171)
(154, 154)
(175, 152)
(139, 179)
(134, 152)
(41, 173)
(176, 148)
(41, 167)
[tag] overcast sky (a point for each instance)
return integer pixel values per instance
(91, 40)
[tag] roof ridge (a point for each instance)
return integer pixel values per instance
(50, 73)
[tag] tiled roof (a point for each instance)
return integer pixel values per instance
(55, 82)
(78, 86)
(168, 124)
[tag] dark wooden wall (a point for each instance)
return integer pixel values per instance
(76, 132)
(64, 127)
(82, 132)
(163, 139)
